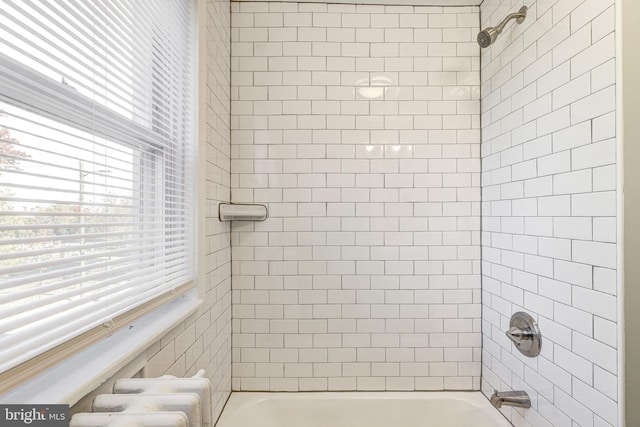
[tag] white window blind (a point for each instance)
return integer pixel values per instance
(96, 119)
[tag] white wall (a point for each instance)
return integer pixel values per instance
(358, 126)
(204, 340)
(549, 208)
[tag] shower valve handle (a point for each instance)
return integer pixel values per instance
(525, 334)
(517, 335)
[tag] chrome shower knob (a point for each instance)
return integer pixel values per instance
(525, 334)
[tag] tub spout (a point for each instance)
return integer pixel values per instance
(519, 399)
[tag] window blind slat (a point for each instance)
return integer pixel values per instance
(85, 258)
(83, 38)
(49, 275)
(115, 275)
(121, 274)
(41, 188)
(83, 246)
(29, 313)
(100, 236)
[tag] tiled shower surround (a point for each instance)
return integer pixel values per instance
(549, 208)
(359, 128)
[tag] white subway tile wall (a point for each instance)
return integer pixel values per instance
(359, 127)
(549, 208)
(204, 340)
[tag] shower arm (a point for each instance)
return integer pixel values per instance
(519, 16)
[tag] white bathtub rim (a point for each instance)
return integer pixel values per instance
(240, 400)
(475, 397)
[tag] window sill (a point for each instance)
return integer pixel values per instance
(69, 381)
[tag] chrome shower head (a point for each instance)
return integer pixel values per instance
(489, 35)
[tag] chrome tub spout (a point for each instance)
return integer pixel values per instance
(519, 399)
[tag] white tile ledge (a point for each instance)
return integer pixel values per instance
(69, 381)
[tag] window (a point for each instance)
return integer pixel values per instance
(96, 164)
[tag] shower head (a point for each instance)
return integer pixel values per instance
(489, 35)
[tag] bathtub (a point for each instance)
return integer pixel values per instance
(363, 409)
